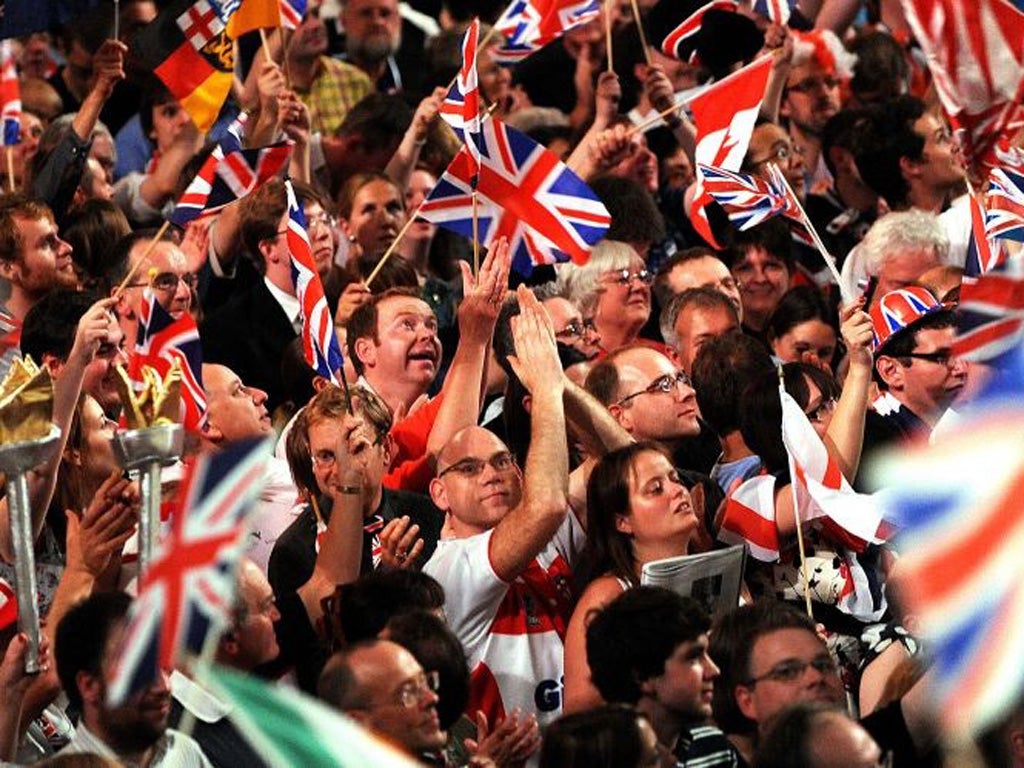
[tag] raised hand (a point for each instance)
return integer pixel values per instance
(484, 294)
(536, 360)
(400, 544)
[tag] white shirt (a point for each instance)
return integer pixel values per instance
(173, 750)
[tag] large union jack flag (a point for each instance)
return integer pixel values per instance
(983, 252)
(990, 321)
(525, 194)
(1004, 203)
(975, 52)
(187, 591)
(529, 25)
(228, 174)
(961, 574)
(161, 342)
(10, 95)
(319, 342)
(461, 106)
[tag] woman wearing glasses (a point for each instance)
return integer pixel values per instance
(638, 510)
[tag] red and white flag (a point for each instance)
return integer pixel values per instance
(750, 518)
(725, 115)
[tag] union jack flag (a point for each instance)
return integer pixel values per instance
(292, 12)
(961, 574)
(529, 25)
(526, 194)
(228, 174)
(983, 253)
(777, 11)
(1004, 202)
(188, 590)
(319, 342)
(725, 115)
(1009, 156)
(675, 38)
(975, 51)
(751, 200)
(162, 340)
(10, 95)
(461, 106)
(990, 321)
(10, 333)
(900, 308)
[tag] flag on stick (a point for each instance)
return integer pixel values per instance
(10, 95)
(529, 25)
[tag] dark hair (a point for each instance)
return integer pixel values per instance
(395, 273)
(154, 94)
(799, 305)
(630, 639)
(93, 230)
(731, 644)
(603, 380)
(722, 370)
(350, 188)
(840, 131)
(607, 548)
(50, 325)
(788, 741)
(437, 649)
(761, 409)
(363, 322)
(904, 342)
(120, 260)
(604, 737)
(82, 637)
(501, 341)
(881, 65)
(635, 216)
(773, 236)
(366, 605)
(661, 289)
(883, 138)
(260, 216)
(705, 298)
(380, 119)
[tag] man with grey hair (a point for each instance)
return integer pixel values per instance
(692, 318)
(895, 252)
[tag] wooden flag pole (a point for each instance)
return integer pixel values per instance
(266, 45)
(476, 238)
(117, 19)
(145, 256)
(9, 151)
(608, 33)
(640, 29)
(829, 261)
(796, 517)
(394, 244)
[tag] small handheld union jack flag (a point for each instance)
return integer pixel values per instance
(750, 200)
(529, 25)
(161, 341)
(10, 95)
(1004, 202)
(187, 591)
(461, 107)
(526, 194)
(319, 342)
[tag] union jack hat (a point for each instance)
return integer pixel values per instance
(898, 309)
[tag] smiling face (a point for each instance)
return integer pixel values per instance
(623, 301)
(763, 279)
(100, 380)
(378, 213)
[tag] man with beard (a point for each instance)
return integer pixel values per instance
(33, 260)
(135, 733)
(374, 35)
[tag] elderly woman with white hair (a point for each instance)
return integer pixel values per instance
(896, 251)
(614, 289)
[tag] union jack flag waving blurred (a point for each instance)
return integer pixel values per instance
(161, 341)
(228, 174)
(10, 95)
(751, 200)
(990, 321)
(1004, 202)
(525, 194)
(319, 342)
(975, 52)
(529, 25)
(188, 589)
(776, 11)
(461, 106)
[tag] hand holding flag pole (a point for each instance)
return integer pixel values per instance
(608, 33)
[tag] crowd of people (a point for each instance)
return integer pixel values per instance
(450, 550)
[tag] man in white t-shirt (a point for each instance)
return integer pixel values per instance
(509, 542)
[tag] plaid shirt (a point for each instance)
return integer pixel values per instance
(335, 90)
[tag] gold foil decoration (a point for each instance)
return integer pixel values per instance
(26, 403)
(157, 402)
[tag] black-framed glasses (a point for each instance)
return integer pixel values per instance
(823, 410)
(663, 384)
(168, 281)
(792, 670)
(472, 467)
(576, 330)
(624, 278)
(942, 356)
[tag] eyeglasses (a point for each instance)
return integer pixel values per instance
(784, 153)
(576, 330)
(814, 83)
(665, 384)
(942, 357)
(413, 692)
(623, 277)
(823, 410)
(470, 467)
(168, 281)
(321, 219)
(793, 670)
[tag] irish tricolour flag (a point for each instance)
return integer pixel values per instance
(288, 728)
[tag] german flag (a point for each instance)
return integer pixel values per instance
(188, 48)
